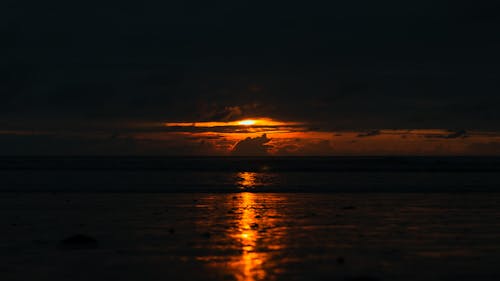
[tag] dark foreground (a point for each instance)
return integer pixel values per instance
(250, 236)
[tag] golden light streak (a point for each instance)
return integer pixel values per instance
(246, 122)
(249, 266)
(255, 241)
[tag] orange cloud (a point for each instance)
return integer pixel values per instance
(264, 136)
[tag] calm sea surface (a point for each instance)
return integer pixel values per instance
(250, 219)
(251, 236)
(263, 174)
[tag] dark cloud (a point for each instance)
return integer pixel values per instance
(216, 137)
(50, 144)
(451, 135)
(228, 113)
(371, 133)
(456, 134)
(252, 146)
(336, 65)
(54, 144)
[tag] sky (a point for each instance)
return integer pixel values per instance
(328, 77)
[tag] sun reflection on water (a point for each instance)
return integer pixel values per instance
(246, 180)
(251, 262)
(251, 240)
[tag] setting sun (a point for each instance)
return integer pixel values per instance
(247, 122)
(244, 122)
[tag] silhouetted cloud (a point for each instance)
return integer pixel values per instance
(252, 146)
(451, 135)
(369, 134)
(228, 113)
(457, 134)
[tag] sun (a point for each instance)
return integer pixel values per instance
(247, 122)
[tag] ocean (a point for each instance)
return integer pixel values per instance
(249, 219)
(256, 174)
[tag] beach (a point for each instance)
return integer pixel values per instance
(250, 236)
(246, 141)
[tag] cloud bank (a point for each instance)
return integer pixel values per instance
(257, 146)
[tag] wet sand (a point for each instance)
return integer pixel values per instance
(250, 236)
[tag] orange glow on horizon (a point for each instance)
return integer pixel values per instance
(283, 138)
(245, 122)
